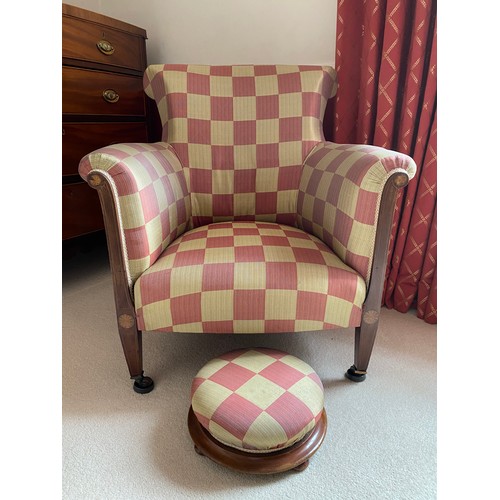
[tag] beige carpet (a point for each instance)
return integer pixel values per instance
(381, 439)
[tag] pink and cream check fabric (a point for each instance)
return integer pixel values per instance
(339, 197)
(257, 400)
(245, 170)
(248, 277)
(154, 206)
(242, 133)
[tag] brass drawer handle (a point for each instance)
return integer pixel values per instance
(105, 47)
(110, 95)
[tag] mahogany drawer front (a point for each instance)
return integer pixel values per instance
(81, 210)
(84, 93)
(79, 139)
(87, 41)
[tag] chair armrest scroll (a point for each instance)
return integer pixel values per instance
(341, 195)
(143, 193)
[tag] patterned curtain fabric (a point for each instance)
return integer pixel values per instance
(387, 71)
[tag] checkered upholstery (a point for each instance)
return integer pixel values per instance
(151, 194)
(257, 400)
(245, 170)
(248, 277)
(242, 133)
(339, 197)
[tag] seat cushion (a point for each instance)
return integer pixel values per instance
(257, 399)
(248, 277)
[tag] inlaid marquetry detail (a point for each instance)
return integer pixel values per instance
(94, 180)
(370, 317)
(126, 321)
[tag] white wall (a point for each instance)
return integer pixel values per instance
(230, 31)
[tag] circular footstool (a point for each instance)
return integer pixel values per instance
(258, 411)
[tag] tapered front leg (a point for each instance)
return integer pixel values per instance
(363, 345)
(131, 339)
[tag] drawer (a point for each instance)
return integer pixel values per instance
(87, 41)
(79, 139)
(88, 92)
(81, 210)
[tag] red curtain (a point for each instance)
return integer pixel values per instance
(386, 62)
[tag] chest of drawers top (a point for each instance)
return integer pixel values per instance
(95, 41)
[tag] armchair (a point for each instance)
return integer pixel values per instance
(243, 219)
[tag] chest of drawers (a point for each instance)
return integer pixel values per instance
(103, 61)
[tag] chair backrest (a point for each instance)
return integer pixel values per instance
(242, 133)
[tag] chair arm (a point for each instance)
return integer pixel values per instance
(341, 194)
(144, 198)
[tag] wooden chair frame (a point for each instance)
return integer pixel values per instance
(131, 337)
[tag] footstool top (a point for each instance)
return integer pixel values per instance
(257, 399)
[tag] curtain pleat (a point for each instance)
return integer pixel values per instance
(348, 64)
(389, 99)
(427, 285)
(416, 233)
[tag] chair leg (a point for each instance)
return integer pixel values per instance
(131, 339)
(363, 346)
(130, 336)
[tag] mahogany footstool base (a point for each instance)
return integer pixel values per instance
(257, 411)
(295, 457)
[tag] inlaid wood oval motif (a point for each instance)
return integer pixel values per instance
(370, 317)
(126, 321)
